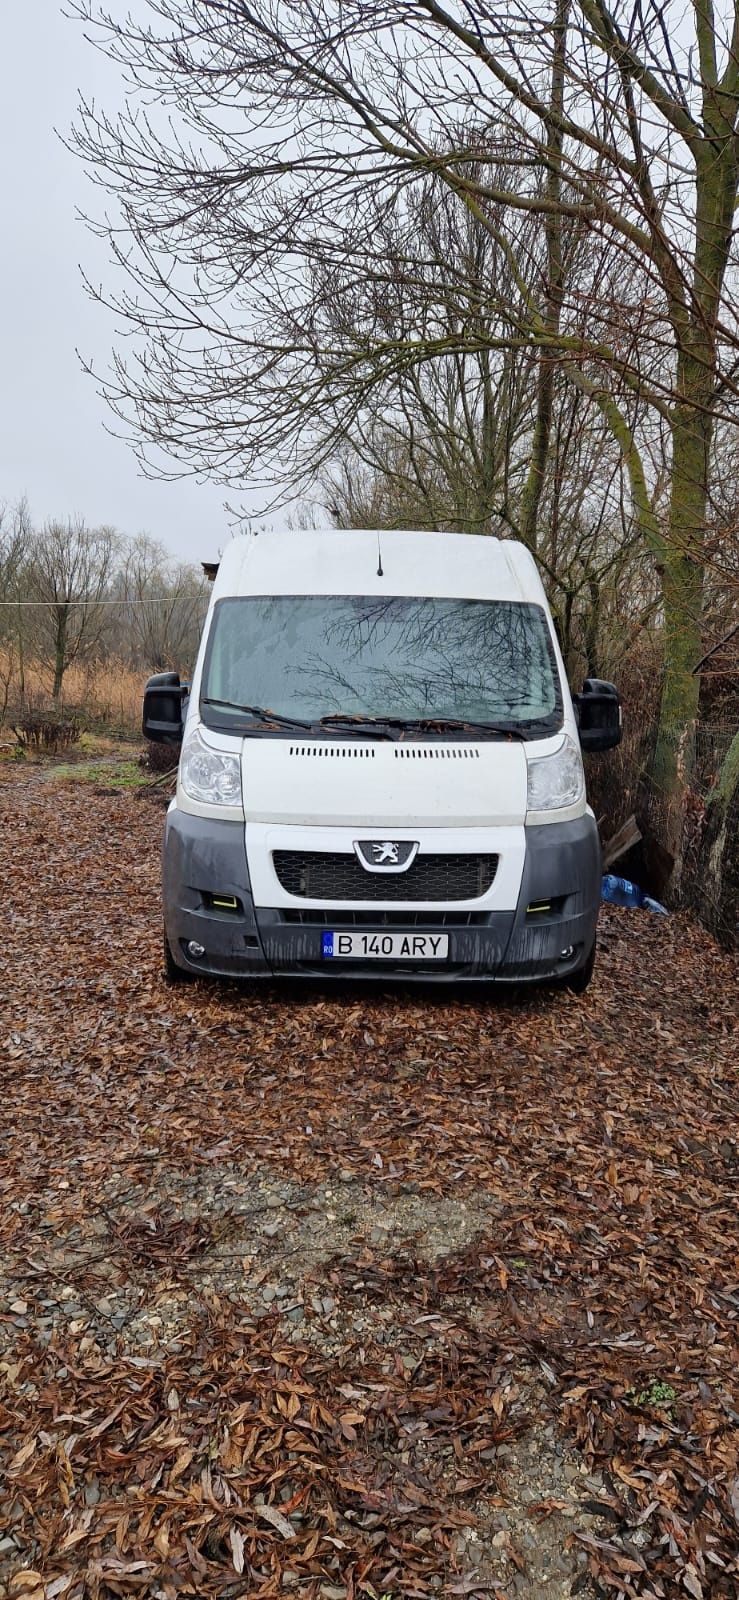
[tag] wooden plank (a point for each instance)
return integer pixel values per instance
(623, 840)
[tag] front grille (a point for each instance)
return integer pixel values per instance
(385, 919)
(325, 875)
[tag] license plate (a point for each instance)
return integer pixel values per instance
(378, 946)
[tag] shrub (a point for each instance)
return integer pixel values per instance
(45, 731)
(160, 757)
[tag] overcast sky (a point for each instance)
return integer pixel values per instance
(53, 443)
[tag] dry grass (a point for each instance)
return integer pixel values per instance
(107, 693)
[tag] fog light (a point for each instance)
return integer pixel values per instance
(195, 950)
(567, 953)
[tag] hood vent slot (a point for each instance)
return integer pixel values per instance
(436, 752)
(402, 752)
(335, 750)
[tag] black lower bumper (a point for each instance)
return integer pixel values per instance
(562, 874)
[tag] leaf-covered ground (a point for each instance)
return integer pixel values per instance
(365, 1295)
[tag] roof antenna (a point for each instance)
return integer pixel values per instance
(380, 572)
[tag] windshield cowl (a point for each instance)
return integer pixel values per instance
(396, 733)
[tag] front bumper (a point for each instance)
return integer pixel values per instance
(562, 869)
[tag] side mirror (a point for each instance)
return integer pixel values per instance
(598, 712)
(164, 698)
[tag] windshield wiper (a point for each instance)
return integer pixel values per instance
(347, 722)
(446, 724)
(370, 727)
(261, 713)
(426, 724)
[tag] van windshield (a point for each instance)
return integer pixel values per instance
(314, 656)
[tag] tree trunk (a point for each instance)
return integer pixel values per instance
(21, 660)
(692, 427)
(592, 631)
(682, 595)
(531, 495)
(487, 482)
(60, 651)
(715, 888)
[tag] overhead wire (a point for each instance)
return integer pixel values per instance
(151, 600)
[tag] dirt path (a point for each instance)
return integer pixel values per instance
(368, 1295)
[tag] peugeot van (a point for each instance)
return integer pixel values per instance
(381, 770)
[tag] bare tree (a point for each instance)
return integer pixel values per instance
(159, 624)
(271, 131)
(452, 431)
(72, 566)
(15, 537)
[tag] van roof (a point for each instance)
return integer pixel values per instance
(340, 561)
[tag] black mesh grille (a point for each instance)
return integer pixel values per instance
(323, 875)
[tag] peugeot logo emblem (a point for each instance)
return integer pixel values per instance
(386, 855)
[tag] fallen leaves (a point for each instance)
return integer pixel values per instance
(241, 1491)
(230, 1446)
(238, 1544)
(277, 1520)
(26, 1585)
(21, 1457)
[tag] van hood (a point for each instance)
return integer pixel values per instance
(346, 782)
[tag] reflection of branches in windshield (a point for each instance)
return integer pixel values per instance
(334, 688)
(474, 648)
(439, 691)
(382, 690)
(309, 655)
(433, 625)
(357, 626)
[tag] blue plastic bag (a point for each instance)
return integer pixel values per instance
(654, 905)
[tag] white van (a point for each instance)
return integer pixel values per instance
(380, 771)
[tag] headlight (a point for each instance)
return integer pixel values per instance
(556, 781)
(208, 775)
